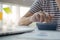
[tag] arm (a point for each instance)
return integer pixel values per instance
(29, 17)
(58, 3)
(25, 20)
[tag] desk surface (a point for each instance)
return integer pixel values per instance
(35, 35)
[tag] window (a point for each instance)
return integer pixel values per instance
(17, 13)
(11, 18)
(23, 10)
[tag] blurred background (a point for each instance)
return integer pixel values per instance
(17, 8)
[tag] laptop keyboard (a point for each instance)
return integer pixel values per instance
(13, 30)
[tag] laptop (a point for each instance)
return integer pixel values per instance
(16, 30)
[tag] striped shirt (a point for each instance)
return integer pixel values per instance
(49, 6)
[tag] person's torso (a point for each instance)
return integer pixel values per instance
(51, 7)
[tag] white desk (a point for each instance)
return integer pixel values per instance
(54, 35)
(35, 35)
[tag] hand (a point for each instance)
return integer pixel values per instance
(41, 17)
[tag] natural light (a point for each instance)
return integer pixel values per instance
(12, 18)
(23, 10)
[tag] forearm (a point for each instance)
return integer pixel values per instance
(25, 21)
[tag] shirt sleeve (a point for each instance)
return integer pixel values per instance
(36, 6)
